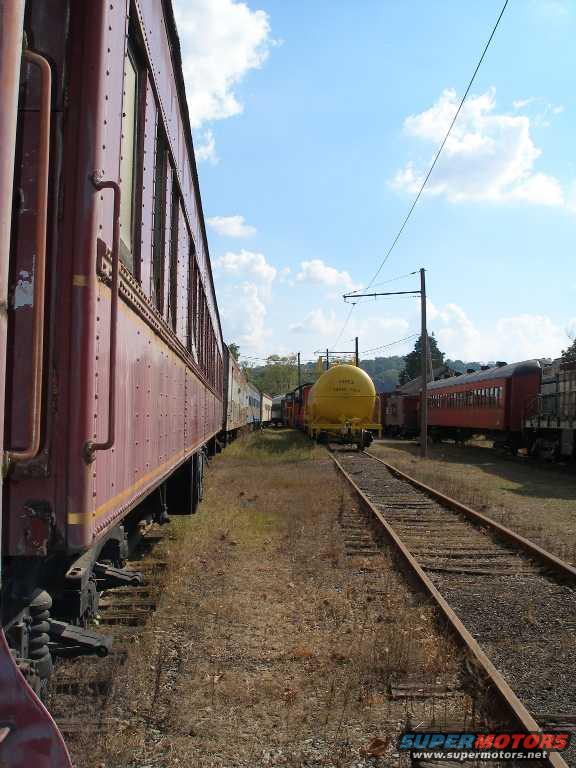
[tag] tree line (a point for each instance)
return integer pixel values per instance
(279, 374)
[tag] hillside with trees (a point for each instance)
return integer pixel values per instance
(279, 374)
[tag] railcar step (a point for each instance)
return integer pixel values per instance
(68, 640)
(108, 577)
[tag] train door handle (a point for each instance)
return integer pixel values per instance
(91, 447)
(35, 412)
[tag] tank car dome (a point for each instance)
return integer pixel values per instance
(343, 393)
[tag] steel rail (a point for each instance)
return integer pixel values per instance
(506, 695)
(567, 571)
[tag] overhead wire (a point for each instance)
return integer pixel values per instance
(442, 145)
(345, 324)
(391, 344)
(438, 153)
(385, 282)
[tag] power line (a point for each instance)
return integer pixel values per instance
(389, 251)
(374, 296)
(391, 344)
(393, 279)
(345, 325)
(384, 282)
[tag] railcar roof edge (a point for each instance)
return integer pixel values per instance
(176, 55)
(502, 372)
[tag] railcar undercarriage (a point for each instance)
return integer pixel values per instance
(49, 604)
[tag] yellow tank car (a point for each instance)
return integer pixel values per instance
(343, 407)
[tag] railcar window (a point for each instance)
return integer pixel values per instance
(128, 159)
(173, 257)
(182, 279)
(192, 296)
(159, 218)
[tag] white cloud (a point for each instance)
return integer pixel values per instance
(488, 156)
(205, 151)
(317, 272)
(546, 111)
(245, 299)
(317, 322)
(221, 41)
(519, 337)
(247, 262)
(231, 226)
(244, 317)
(522, 103)
(551, 9)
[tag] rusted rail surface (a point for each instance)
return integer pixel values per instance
(561, 567)
(422, 509)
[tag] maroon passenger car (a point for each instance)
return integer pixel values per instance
(491, 402)
(114, 351)
(28, 736)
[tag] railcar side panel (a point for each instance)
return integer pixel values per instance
(166, 405)
(237, 410)
(466, 405)
(266, 414)
(523, 389)
(158, 47)
(487, 401)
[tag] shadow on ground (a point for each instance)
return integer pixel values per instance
(524, 476)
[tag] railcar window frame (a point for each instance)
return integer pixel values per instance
(192, 290)
(170, 313)
(162, 162)
(130, 213)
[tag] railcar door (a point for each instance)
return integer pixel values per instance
(28, 736)
(34, 281)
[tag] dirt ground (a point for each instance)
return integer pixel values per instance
(535, 499)
(272, 644)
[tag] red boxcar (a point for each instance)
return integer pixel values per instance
(114, 351)
(491, 402)
(296, 406)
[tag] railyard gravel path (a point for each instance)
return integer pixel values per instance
(284, 636)
(524, 620)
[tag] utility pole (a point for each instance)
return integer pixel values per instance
(327, 359)
(357, 354)
(424, 352)
(299, 373)
(424, 369)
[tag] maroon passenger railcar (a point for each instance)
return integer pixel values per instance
(114, 350)
(28, 736)
(492, 402)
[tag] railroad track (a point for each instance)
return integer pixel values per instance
(511, 603)
(80, 688)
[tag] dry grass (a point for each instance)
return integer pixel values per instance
(536, 500)
(272, 646)
(274, 445)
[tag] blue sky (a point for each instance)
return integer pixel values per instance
(314, 122)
